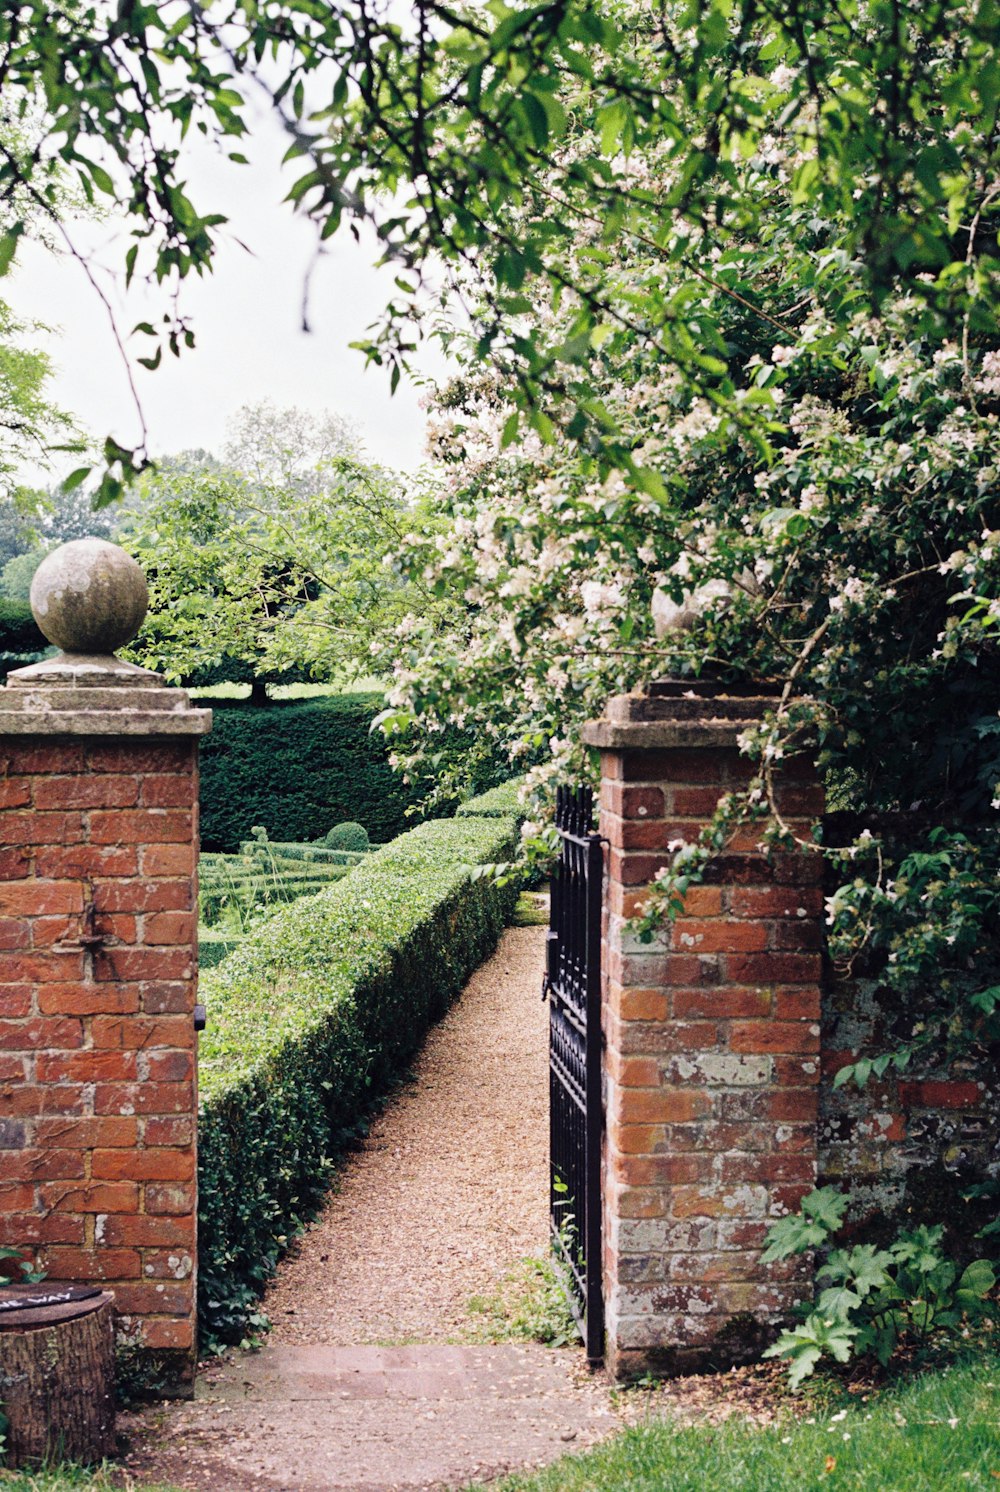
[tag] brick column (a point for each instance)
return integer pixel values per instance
(712, 1037)
(98, 968)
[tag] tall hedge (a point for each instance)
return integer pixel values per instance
(20, 640)
(309, 1021)
(298, 767)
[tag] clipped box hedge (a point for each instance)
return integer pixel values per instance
(313, 854)
(497, 802)
(257, 886)
(215, 945)
(310, 1020)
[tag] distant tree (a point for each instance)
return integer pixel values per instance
(19, 572)
(17, 533)
(32, 428)
(282, 449)
(273, 575)
(63, 516)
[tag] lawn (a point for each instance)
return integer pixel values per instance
(361, 684)
(939, 1433)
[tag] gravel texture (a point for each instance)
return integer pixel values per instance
(449, 1190)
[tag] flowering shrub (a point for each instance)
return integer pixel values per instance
(803, 493)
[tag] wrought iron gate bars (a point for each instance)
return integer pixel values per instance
(576, 1116)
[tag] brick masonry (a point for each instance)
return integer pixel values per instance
(906, 1147)
(713, 1043)
(98, 970)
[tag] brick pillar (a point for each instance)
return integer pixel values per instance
(98, 967)
(712, 1037)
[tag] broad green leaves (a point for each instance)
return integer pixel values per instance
(876, 1297)
(822, 1213)
(803, 1346)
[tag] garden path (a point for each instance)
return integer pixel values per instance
(450, 1189)
(443, 1199)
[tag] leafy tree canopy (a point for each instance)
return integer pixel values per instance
(803, 493)
(456, 132)
(263, 568)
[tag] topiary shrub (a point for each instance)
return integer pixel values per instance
(347, 836)
(310, 1019)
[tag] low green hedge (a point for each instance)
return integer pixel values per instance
(214, 945)
(313, 854)
(19, 634)
(310, 1020)
(231, 883)
(497, 802)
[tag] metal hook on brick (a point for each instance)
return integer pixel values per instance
(89, 937)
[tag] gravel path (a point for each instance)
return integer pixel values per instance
(447, 1194)
(450, 1189)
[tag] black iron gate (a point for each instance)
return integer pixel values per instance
(573, 985)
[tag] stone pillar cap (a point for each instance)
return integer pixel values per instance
(89, 597)
(680, 713)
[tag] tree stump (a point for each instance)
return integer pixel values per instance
(56, 1373)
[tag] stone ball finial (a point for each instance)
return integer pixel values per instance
(89, 596)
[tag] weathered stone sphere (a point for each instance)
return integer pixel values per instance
(89, 596)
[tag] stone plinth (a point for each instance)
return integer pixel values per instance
(712, 1037)
(98, 973)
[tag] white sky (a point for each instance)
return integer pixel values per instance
(246, 318)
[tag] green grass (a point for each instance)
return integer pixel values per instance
(368, 681)
(73, 1479)
(940, 1433)
(532, 910)
(529, 1306)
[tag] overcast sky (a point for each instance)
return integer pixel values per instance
(246, 317)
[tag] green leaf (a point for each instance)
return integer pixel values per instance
(826, 1206)
(73, 481)
(101, 179)
(975, 1284)
(8, 246)
(838, 1301)
(538, 119)
(803, 1347)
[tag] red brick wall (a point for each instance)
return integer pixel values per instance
(97, 1042)
(713, 1065)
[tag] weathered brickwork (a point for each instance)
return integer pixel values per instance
(97, 1043)
(712, 1050)
(906, 1148)
(723, 1040)
(713, 1042)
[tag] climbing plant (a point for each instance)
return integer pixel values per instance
(821, 513)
